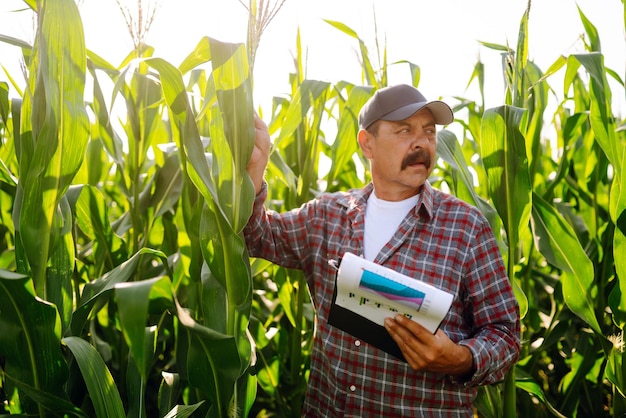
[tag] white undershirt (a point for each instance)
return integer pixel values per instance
(382, 219)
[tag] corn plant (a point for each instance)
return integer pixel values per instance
(131, 287)
(565, 273)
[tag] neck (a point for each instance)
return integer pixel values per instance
(395, 195)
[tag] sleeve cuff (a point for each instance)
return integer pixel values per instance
(477, 376)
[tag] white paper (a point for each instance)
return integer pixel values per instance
(377, 292)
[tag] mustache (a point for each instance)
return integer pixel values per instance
(421, 156)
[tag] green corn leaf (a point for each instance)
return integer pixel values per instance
(614, 147)
(183, 411)
(189, 142)
(30, 338)
(287, 294)
(4, 104)
(590, 29)
(133, 301)
(169, 391)
(136, 383)
(528, 385)
(53, 404)
(503, 151)
(521, 58)
(103, 129)
(168, 186)
(59, 274)
(616, 369)
(617, 301)
(556, 240)
(369, 74)
(345, 145)
(96, 293)
(91, 215)
(448, 148)
(233, 89)
(225, 253)
(200, 55)
(60, 129)
(100, 384)
(214, 298)
(96, 61)
(304, 99)
(211, 362)
(599, 107)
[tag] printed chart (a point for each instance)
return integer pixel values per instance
(377, 292)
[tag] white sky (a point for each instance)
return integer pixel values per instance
(441, 36)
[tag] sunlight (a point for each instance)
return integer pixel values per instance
(441, 37)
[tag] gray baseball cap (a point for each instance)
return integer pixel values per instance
(399, 102)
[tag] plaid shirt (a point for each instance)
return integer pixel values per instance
(446, 243)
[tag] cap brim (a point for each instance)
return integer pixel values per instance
(441, 111)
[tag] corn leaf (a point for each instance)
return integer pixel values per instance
(136, 384)
(369, 74)
(614, 147)
(527, 384)
(169, 391)
(96, 293)
(30, 338)
(225, 253)
(59, 277)
(503, 151)
(233, 88)
(556, 240)
(448, 148)
(521, 58)
(345, 145)
(617, 301)
(211, 362)
(189, 141)
(100, 384)
(53, 404)
(133, 300)
(200, 55)
(60, 130)
(183, 411)
(168, 187)
(91, 216)
(103, 129)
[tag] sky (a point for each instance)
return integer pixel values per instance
(442, 37)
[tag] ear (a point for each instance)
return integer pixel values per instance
(365, 142)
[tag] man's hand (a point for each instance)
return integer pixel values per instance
(427, 352)
(260, 154)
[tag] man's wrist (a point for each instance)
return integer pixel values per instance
(465, 365)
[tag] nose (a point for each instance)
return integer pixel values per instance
(420, 138)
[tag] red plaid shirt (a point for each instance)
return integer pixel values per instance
(446, 243)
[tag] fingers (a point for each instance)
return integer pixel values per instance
(412, 339)
(258, 122)
(425, 351)
(262, 134)
(260, 153)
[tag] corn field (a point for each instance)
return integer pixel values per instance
(126, 289)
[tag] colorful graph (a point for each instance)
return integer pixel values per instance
(391, 290)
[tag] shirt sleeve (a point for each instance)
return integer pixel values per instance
(277, 237)
(495, 342)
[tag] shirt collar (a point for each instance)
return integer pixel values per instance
(358, 199)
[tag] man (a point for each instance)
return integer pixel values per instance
(399, 221)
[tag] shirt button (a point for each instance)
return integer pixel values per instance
(357, 343)
(352, 388)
